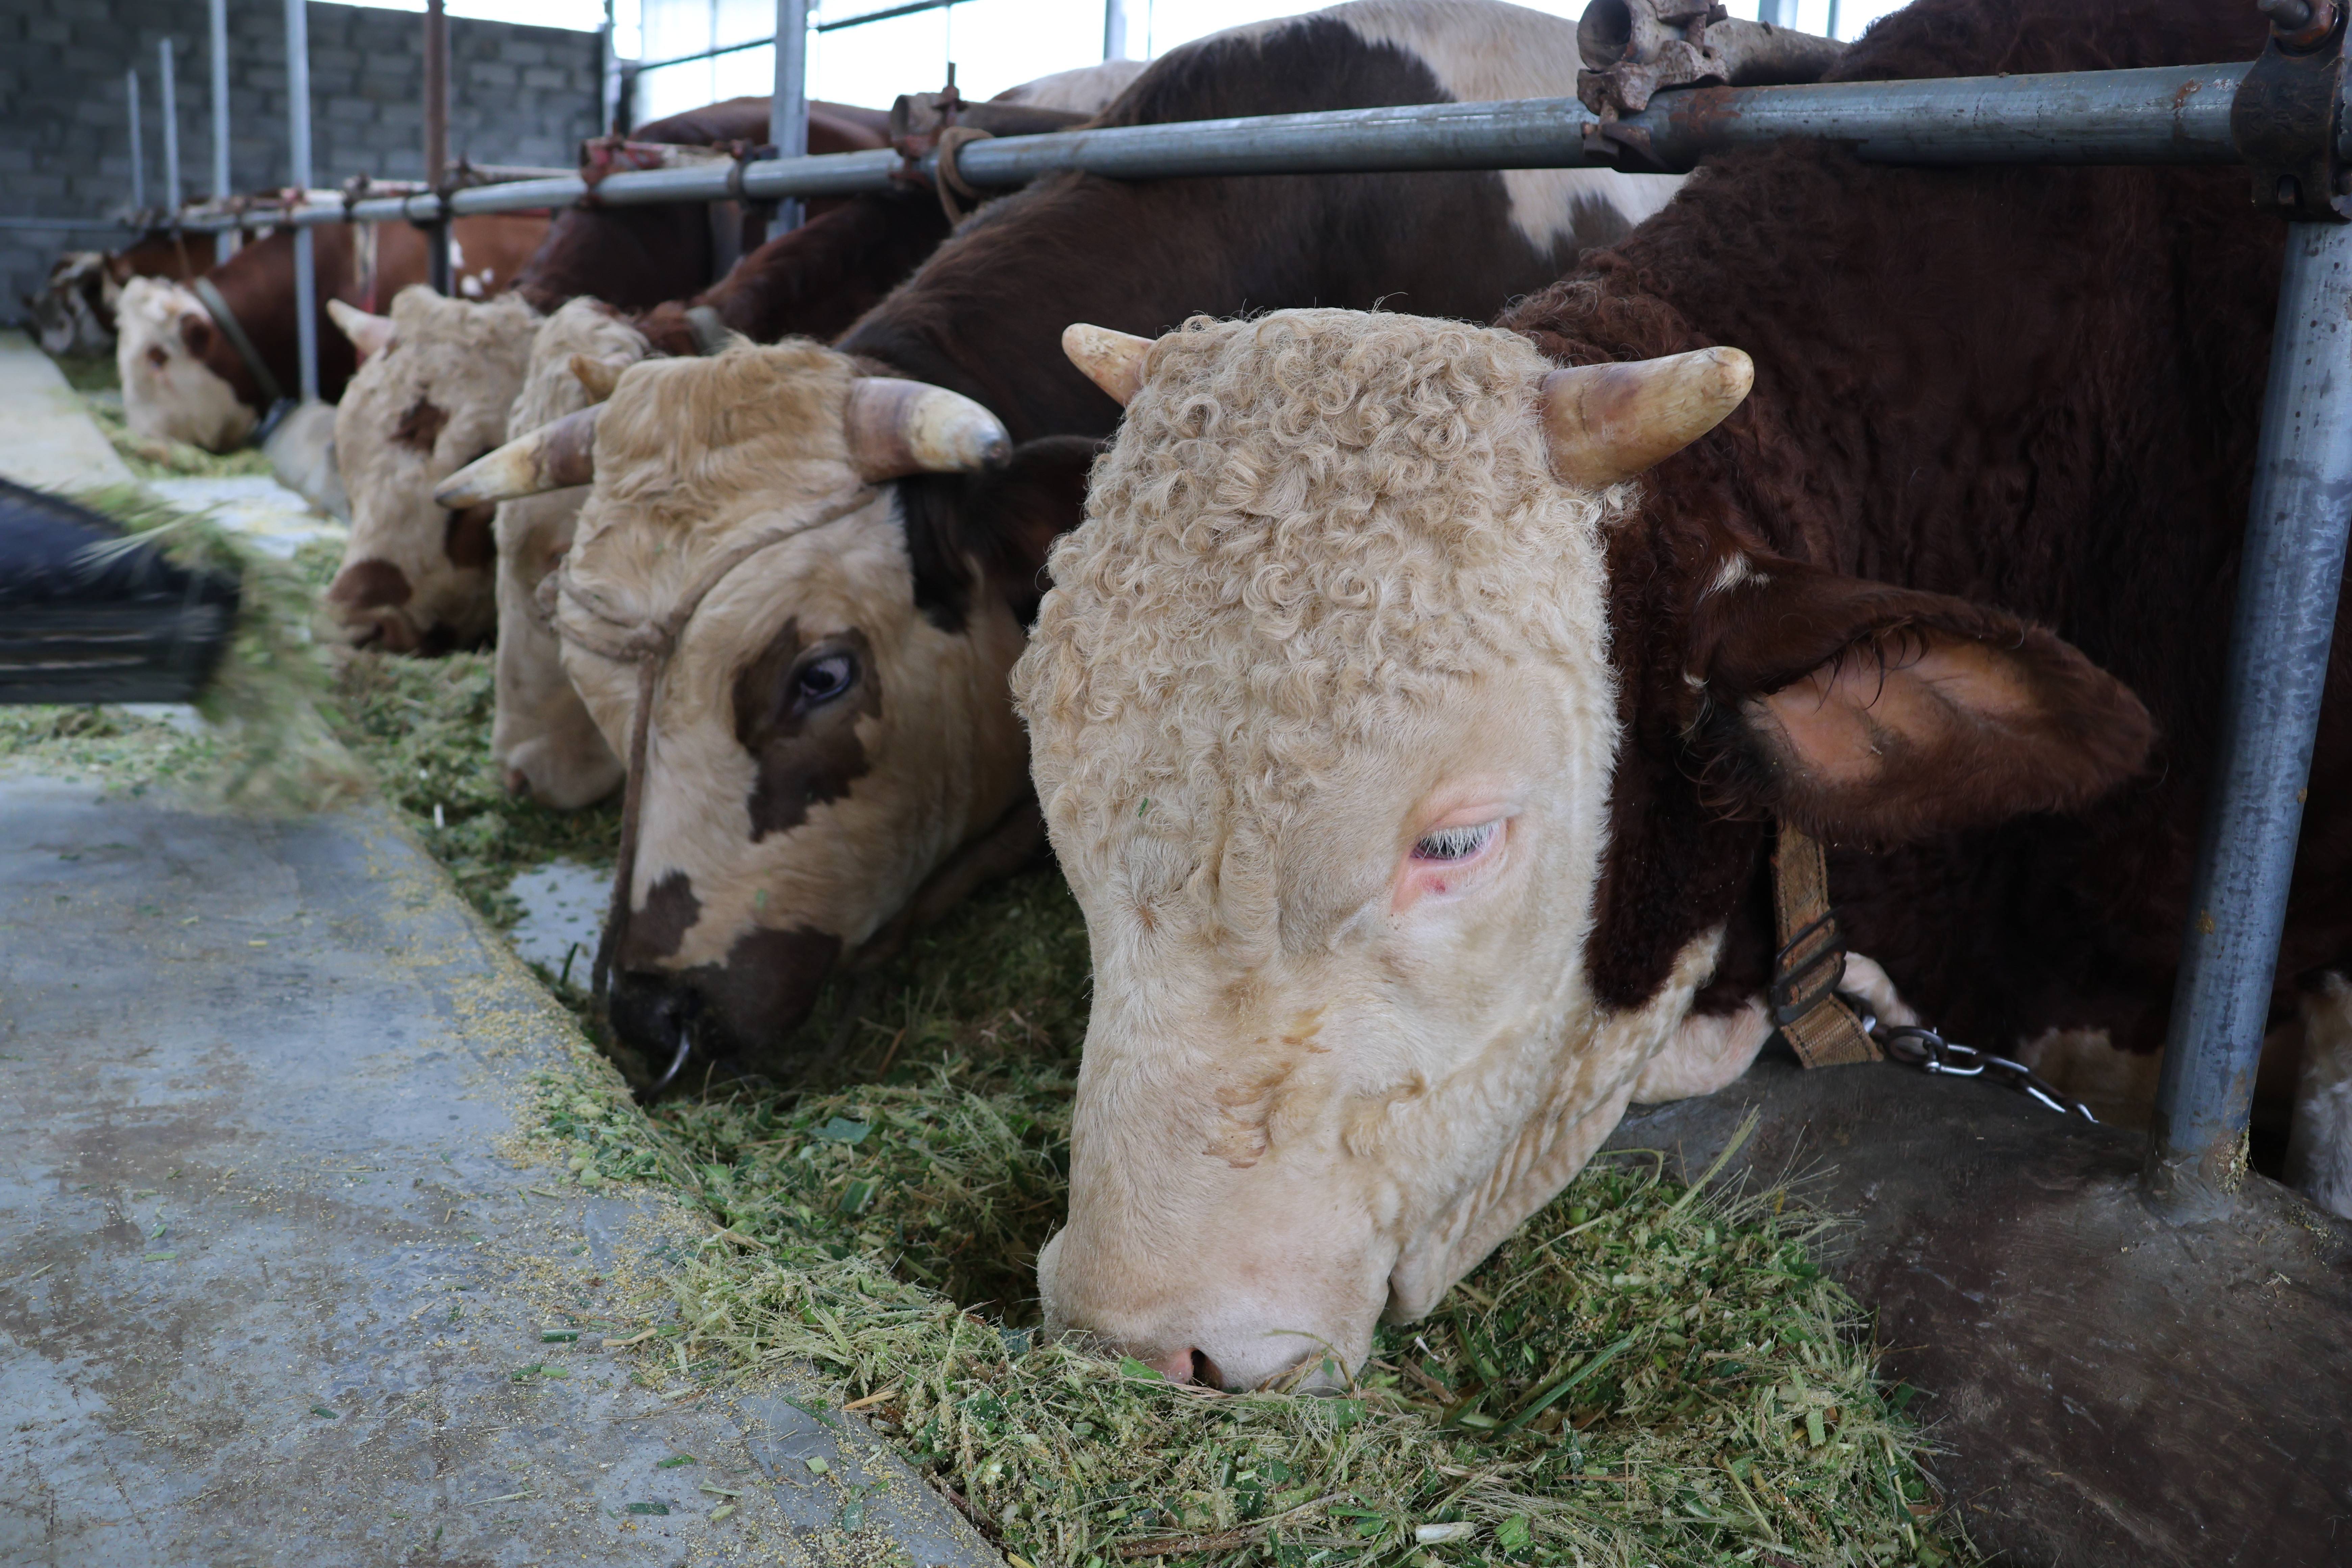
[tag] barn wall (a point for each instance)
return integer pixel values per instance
(517, 95)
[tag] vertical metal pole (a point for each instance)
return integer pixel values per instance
(436, 140)
(788, 110)
(1833, 19)
(138, 152)
(1114, 29)
(298, 127)
(2289, 573)
(171, 127)
(224, 242)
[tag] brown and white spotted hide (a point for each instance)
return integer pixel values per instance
(821, 741)
(542, 737)
(417, 577)
(69, 314)
(162, 336)
(1326, 716)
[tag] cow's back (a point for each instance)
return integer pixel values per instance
(984, 315)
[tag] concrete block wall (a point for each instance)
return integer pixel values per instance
(517, 95)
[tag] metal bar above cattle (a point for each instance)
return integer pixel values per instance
(2178, 115)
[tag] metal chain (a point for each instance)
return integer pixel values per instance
(1931, 1053)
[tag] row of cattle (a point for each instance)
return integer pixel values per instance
(1414, 703)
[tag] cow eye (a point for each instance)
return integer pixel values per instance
(824, 678)
(1454, 843)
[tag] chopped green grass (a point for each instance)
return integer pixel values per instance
(424, 726)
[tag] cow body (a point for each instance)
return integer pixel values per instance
(184, 380)
(1420, 792)
(766, 852)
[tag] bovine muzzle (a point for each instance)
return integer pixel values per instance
(734, 1019)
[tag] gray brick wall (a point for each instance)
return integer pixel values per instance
(517, 95)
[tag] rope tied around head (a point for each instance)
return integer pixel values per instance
(648, 642)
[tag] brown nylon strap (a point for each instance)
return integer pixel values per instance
(950, 182)
(1819, 1025)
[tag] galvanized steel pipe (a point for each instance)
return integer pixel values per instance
(2176, 115)
(297, 127)
(2290, 569)
(171, 106)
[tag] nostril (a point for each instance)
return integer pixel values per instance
(517, 783)
(1175, 1365)
(1188, 1365)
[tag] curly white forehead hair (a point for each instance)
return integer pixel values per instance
(1311, 523)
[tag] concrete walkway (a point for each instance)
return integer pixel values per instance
(272, 1285)
(47, 438)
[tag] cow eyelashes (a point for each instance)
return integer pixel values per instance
(823, 678)
(1454, 843)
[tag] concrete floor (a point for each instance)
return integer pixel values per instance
(271, 1287)
(46, 440)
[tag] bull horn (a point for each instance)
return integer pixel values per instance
(550, 458)
(1112, 360)
(899, 428)
(1605, 423)
(369, 333)
(595, 377)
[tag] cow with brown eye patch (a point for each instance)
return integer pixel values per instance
(796, 712)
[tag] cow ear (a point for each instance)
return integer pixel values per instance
(1866, 713)
(369, 333)
(1021, 508)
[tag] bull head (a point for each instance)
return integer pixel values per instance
(830, 735)
(1397, 886)
(893, 429)
(434, 384)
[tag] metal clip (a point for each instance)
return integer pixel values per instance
(1930, 1052)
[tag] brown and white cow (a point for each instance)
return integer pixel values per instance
(75, 311)
(542, 738)
(415, 579)
(184, 378)
(833, 749)
(1411, 721)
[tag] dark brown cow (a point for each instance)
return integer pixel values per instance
(637, 257)
(184, 380)
(1415, 741)
(815, 281)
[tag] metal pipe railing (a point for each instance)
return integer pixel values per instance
(297, 136)
(2290, 569)
(138, 150)
(171, 108)
(2176, 115)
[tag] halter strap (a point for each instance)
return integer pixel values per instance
(225, 319)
